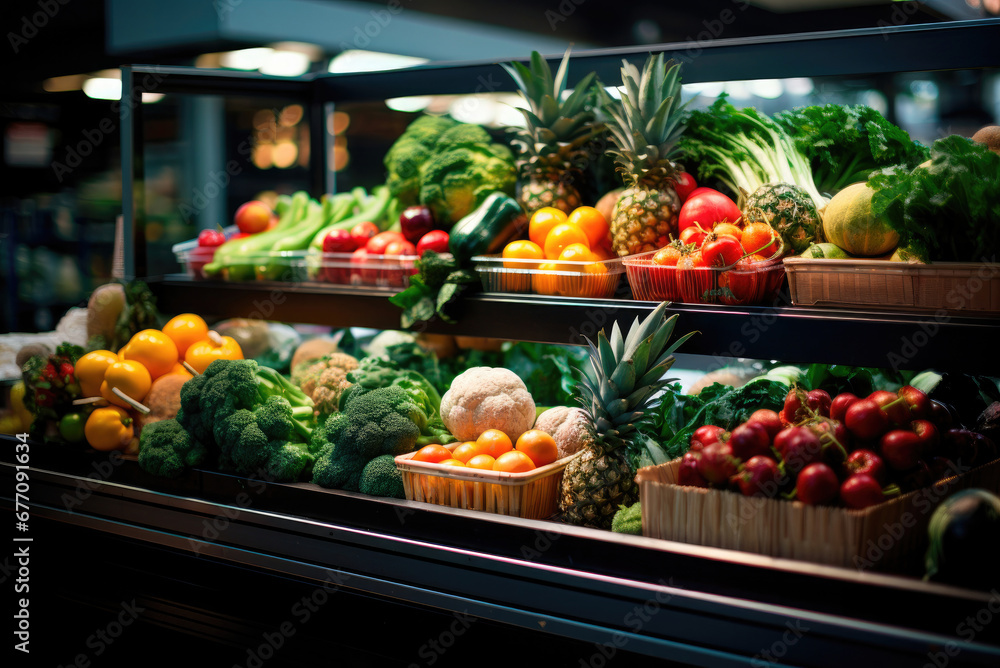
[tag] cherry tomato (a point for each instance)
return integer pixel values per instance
(693, 235)
(684, 185)
(721, 251)
(435, 240)
(377, 244)
(211, 238)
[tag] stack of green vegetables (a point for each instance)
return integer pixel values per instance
(251, 420)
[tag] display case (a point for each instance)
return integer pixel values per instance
(588, 596)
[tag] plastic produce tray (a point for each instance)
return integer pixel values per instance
(598, 280)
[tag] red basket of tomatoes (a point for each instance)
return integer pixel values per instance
(751, 279)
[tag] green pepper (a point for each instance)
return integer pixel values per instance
(488, 228)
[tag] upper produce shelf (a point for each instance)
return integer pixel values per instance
(791, 334)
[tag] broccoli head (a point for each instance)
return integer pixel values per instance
(457, 180)
(258, 441)
(409, 153)
(166, 449)
(381, 477)
(384, 421)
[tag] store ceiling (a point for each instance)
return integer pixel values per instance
(89, 35)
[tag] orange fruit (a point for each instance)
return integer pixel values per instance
(522, 249)
(154, 350)
(90, 370)
(484, 462)
(667, 256)
(185, 329)
(467, 451)
(494, 442)
(563, 235)
(539, 446)
(544, 282)
(542, 221)
(576, 253)
(452, 462)
(593, 223)
(433, 453)
(730, 229)
(514, 461)
(760, 238)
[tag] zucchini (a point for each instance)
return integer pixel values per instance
(488, 228)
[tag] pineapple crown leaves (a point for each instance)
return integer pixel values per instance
(625, 372)
(548, 120)
(648, 121)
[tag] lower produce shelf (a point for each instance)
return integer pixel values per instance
(644, 597)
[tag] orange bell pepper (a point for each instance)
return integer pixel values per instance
(199, 355)
(154, 350)
(130, 377)
(90, 370)
(108, 428)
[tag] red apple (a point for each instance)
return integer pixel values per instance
(688, 473)
(893, 406)
(749, 440)
(819, 401)
(860, 491)
(415, 222)
(253, 217)
(867, 462)
(798, 447)
(866, 420)
(705, 435)
(759, 477)
(769, 420)
(918, 402)
(840, 404)
(901, 449)
(717, 463)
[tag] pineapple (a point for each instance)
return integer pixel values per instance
(552, 148)
(645, 127)
(625, 375)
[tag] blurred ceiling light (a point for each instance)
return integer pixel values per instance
(285, 64)
(337, 122)
(63, 84)
(311, 51)
(284, 154)
(478, 109)
(209, 61)
(708, 89)
(508, 116)
(614, 91)
(100, 88)
(151, 98)
(291, 115)
(923, 89)
(738, 90)
(799, 86)
(246, 59)
(357, 60)
(769, 89)
(410, 103)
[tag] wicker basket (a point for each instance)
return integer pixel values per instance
(948, 286)
(880, 537)
(531, 495)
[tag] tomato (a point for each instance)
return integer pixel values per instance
(484, 462)
(539, 446)
(522, 249)
(667, 256)
(684, 185)
(513, 461)
(362, 232)
(377, 244)
(694, 278)
(576, 253)
(494, 442)
(709, 208)
(563, 235)
(432, 453)
(400, 247)
(253, 217)
(466, 451)
(721, 251)
(542, 221)
(339, 241)
(760, 238)
(729, 229)
(364, 270)
(693, 235)
(435, 240)
(211, 238)
(744, 283)
(593, 224)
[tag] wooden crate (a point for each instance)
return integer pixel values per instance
(880, 537)
(532, 495)
(948, 286)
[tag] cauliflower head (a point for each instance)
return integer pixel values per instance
(484, 398)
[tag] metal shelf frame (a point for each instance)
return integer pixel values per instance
(721, 608)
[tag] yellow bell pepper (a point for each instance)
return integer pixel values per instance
(128, 376)
(154, 350)
(17, 392)
(108, 428)
(90, 370)
(199, 355)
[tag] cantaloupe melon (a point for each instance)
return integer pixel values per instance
(849, 223)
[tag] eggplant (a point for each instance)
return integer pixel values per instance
(964, 534)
